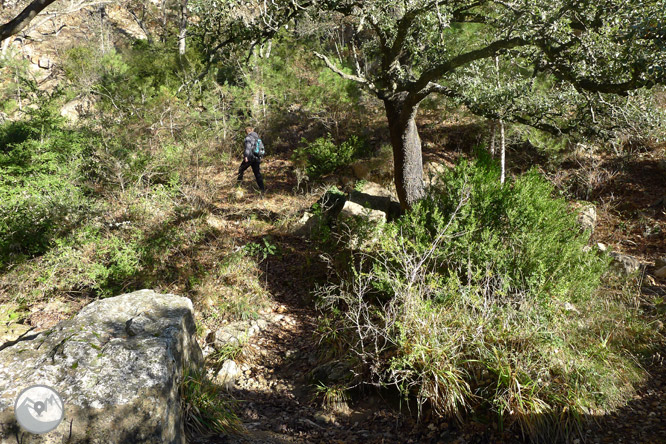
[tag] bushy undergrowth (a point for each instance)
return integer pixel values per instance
(484, 299)
(41, 183)
(323, 155)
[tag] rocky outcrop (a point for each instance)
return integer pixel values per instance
(374, 196)
(74, 109)
(432, 172)
(323, 212)
(222, 343)
(117, 366)
(369, 201)
(376, 169)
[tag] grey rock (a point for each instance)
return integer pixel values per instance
(323, 212)
(354, 210)
(624, 264)
(329, 205)
(587, 217)
(432, 172)
(12, 332)
(229, 335)
(306, 225)
(236, 333)
(76, 108)
(44, 63)
(374, 196)
(375, 169)
(661, 273)
(228, 374)
(117, 365)
(659, 263)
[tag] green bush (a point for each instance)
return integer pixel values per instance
(41, 175)
(484, 299)
(323, 156)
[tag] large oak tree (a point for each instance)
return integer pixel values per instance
(404, 51)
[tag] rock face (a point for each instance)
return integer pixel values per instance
(117, 366)
(232, 336)
(432, 171)
(370, 201)
(374, 196)
(377, 169)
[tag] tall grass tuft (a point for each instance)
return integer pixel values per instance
(483, 299)
(206, 408)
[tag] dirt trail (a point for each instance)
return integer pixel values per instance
(275, 395)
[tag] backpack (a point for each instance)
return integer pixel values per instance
(259, 150)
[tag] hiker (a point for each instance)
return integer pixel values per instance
(252, 157)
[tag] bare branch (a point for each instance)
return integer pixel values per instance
(356, 78)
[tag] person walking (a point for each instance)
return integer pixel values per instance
(253, 151)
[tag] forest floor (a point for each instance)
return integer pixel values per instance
(276, 399)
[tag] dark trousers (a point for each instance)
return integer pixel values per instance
(255, 169)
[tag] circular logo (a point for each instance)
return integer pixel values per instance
(39, 409)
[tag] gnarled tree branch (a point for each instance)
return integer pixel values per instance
(356, 78)
(18, 23)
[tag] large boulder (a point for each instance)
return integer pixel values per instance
(117, 365)
(323, 212)
(375, 169)
(432, 171)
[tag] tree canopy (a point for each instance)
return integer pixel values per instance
(555, 65)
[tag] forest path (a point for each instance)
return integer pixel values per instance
(276, 395)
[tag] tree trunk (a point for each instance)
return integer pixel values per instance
(408, 168)
(182, 34)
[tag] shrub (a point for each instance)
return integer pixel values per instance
(483, 298)
(323, 156)
(41, 175)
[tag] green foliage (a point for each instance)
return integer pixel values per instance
(516, 233)
(206, 408)
(41, 174)
(323, 156)
(265, 249)
(483, 299)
